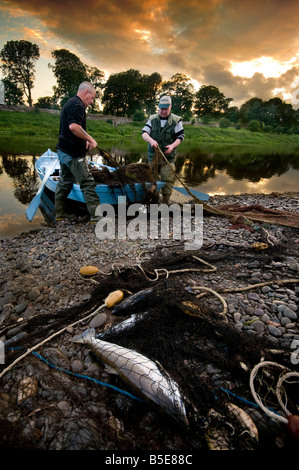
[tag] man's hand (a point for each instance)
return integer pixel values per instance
(154, 143)
(169, 149)
(91, 144)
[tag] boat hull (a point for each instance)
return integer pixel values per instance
(108, 195)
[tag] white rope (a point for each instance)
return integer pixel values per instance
(255, 395)
(207, 289)
(49, 338)
(279, 389)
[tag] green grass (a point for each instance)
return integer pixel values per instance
(34, 132)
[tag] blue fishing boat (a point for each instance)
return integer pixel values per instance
(134, 192)
(48, 166)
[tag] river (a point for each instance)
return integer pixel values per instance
(212, 173)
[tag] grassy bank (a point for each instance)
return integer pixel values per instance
(34, 132)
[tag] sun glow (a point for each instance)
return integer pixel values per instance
(144, 34)
(265, 65)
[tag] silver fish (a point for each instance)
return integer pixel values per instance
(123, 326)
(142, 374)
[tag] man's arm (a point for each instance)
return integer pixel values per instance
(82, 134)
(149, 140)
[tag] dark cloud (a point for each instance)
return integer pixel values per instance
(195, 37)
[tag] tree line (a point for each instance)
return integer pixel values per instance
(135, 95)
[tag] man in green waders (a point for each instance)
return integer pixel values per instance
(165, 130)
(73, 143)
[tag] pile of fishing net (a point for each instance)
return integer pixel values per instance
(194, 341)
(127, 174)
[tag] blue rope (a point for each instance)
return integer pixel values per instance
(239, 398)
(245, 401)
(80, 376)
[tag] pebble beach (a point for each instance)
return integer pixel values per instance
(40, 274)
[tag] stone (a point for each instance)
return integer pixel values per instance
(258, 325)
(98, 320)
(274, 331)
(21, 307)
(290, 313)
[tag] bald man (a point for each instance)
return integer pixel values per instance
(73, 142)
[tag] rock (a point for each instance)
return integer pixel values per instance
(253, 296)
(27, 388)
(274, 331)
(290, 313)
(21, 307)
(258, 325)
(77, 365)
(98, 320)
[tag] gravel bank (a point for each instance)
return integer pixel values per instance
(40, 277)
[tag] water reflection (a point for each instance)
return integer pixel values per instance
(24, 177)
(199, 168)
(209, 172)
(18, 185)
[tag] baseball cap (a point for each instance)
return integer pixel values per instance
(165, 102)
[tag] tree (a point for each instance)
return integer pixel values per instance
(285, 113)
(13, 95)
(97, 78)
(181, 90)
(46, 102)
(152, 85)
(209, 100)
(274, 112)
(18, 65)
(232, 114)
(69, 72)
(124, 93)
(251, 109)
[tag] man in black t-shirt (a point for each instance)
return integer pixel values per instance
(73, 142)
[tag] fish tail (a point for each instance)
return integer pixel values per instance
(85, 336)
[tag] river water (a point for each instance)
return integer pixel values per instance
(211, 173)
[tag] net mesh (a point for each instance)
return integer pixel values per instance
(186, 334)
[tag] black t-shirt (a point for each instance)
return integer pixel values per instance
(73, 111)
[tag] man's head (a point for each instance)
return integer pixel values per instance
(87, 93)
(165, 106)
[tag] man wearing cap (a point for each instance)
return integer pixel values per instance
(165, 130)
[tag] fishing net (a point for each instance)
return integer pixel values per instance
(188, 334)
(128, 174)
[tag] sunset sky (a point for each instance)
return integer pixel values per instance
(246, 48)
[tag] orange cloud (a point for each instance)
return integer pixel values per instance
(190, 37)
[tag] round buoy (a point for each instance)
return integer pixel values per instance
(88, 270)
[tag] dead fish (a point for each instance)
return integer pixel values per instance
(123, 326)
(144, 296)
(141, 373)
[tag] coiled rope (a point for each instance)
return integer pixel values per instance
(278, 389)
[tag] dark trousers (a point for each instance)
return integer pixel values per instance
(75, 169)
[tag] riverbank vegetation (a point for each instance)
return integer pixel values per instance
(23, 132)
(135, 95)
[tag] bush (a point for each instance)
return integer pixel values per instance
(139, 116)
(205, 119)
(224, 123)
(254, 125)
